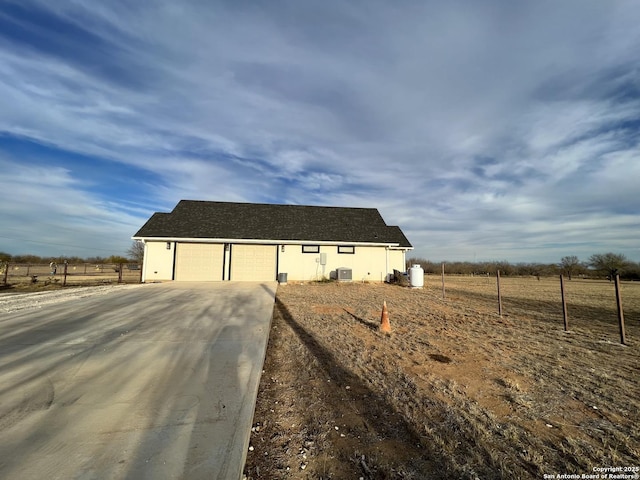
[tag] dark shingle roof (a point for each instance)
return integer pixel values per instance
(398, 236)
(202, 219)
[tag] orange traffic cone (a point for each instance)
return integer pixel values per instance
(385, 326)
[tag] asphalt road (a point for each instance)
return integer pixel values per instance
(156, 382)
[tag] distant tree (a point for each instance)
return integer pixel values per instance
(96, 260)
(527, 269)
(608, 263)
(632, 272)
(570, 264)
(505, 268)
(458, 268)
(550, 269)
(116, 259)
(483, 268)
(30, 259)
(5, 257)
(427, 266)
(136, 251)
(74, 259)
(430, 267)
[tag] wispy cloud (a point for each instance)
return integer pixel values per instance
(484, 130)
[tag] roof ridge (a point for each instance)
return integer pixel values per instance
(275, 204)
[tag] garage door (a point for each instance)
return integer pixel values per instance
(256, 263)
(199, 262)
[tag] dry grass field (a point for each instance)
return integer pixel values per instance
(454, 391)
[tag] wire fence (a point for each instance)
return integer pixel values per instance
(576, 303)
(69, 274)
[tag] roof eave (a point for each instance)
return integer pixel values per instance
(393, 245)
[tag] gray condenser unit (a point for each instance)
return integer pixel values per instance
(344, 274)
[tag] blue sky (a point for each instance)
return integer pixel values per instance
(493, 130)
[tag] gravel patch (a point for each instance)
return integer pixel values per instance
(12, 302)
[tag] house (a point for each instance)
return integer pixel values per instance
(216, 241)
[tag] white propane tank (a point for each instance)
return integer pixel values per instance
(416, 276)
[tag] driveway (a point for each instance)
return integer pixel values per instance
(152, 381)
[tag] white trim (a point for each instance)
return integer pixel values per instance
(386, 261)
(144, 262)
(267, 242)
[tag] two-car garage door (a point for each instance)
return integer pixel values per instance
(207, 262)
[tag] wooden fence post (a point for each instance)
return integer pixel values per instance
(443, 294)
(499, 296)
(564, 305)
(64, 281)
(6, 273)
(623, 339)
(140, 265)
(120, 273)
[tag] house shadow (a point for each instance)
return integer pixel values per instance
(370, 325)
(378, 413)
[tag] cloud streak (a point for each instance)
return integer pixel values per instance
(484, 131)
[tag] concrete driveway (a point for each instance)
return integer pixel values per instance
(154, 381)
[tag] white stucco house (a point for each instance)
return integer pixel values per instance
(218, 241)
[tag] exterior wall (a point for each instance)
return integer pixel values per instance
(158, 261)
(367, 263)
(397, 260)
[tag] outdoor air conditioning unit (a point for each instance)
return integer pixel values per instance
(343, 274)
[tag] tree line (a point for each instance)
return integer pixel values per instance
(134, 255)
(36, 259)
(600, 265)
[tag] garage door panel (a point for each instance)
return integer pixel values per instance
(256, 263)
(199, 262)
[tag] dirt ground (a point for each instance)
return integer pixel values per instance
(455, 391)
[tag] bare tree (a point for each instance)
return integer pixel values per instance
(608, 263)
(569, 265)
(136, 251)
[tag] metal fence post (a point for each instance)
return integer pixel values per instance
(64, 281)
(499, 296)
(623, 339)
(564, 305)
